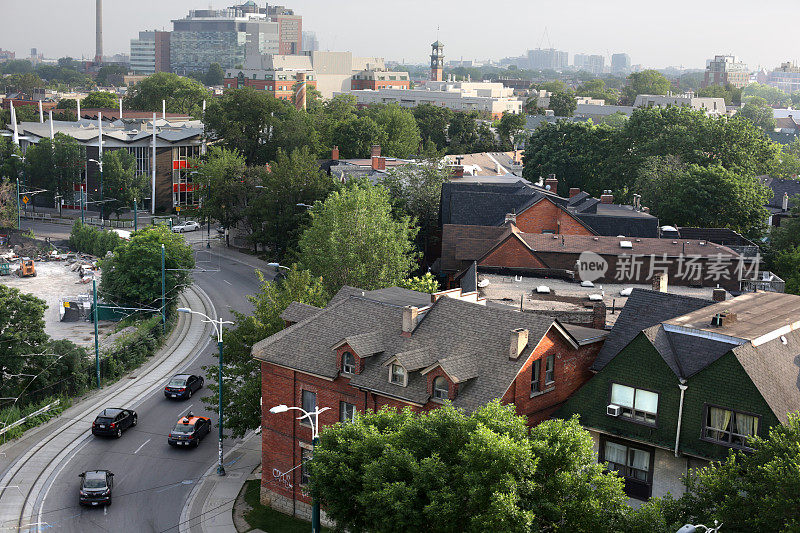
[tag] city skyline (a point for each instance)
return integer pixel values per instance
(614, 27)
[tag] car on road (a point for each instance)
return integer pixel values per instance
(96, 487)
(189, 225)
(112, 421)
(183, 386)
(189, 431)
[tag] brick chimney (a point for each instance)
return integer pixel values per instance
(335, 153)
(519, 340)
(606, 197)
(719, 295)
(410, 319)
(457, 171)
(785, 202)
(551, 183)
(376, 150)
(378, 163)
(660, 283)
(574, 191)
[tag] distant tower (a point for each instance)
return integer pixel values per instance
(437, 61)
(98, 56)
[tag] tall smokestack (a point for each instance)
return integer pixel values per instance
(98, 57)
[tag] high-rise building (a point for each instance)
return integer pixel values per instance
(786, 78)
(620, 63)
(547, 58)
(310, 42)
(7, 55)
(437, 61)
(590, 63)
(228, 36)
(150, 53)
(724, 70)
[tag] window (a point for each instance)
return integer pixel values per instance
(305, 456)
(347, 412)
(633, 463)
(348, 363)
(549, 370)
(441, 390)
(637, 404)
(309, 404)
(397, 374)
(536, 376)
(730, 428)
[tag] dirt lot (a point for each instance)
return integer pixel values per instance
(53, 282)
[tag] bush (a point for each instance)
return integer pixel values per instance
(133, 349)
(10, 415)
(89, 240)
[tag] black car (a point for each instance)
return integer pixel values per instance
(96, 486)
(189, 431)
(112, 422)
(183, 386)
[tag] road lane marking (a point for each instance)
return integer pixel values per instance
(228, 282)
(105, 510)
(142, 446)
(181, 413)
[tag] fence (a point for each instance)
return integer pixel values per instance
(94, 221)
(32, 415)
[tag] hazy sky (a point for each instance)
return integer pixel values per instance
(659, 34)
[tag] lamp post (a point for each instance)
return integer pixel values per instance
(217, 323)
(100, 166)
(689, 528)
(19, 215)
(315, 514)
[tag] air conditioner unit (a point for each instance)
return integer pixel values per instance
(612, 410)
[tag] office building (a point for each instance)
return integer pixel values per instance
(547, 59)
(150, 52)
(711, 106)
(379, 79)
(786, 78)
(620, 63)
(310, 42)
(724, 70)
(590, 63)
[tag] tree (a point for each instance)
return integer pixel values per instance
(708, 197)
(109, 70)
(100, 100)
(21, 330)
(132, 275)
(183, 95)
(55, 166)
(402, 138)
(433, 122)
(8, 204)
(445, 470)
(220, 175)
(731, 94)
(354, 240)
(24, 83)
(645, 82)
(121, 184)
(242, 395)
(759, 113)
(215, 74)
(596, 88)
(773, 96)
(67, 103)
(426, 283)
(510, 130)
(355, 136)
(563, 104)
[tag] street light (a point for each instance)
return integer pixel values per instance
(102, 204)
(19, 215)
(217, 323)
(689, 528)
(304, 205)
(276, 266)
(315, 518)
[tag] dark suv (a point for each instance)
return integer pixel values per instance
(189, 430)
(183, 386)
(96, 486)
(112, 422)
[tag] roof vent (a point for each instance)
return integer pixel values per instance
(625, 244)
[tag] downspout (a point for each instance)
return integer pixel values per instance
(682, 386)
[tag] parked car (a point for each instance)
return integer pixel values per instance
(111, 422)
(96, 487)
(189, 431)
(183, 386)
(189, 225)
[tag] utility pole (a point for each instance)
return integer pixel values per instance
(19, 214)
(96, 341)
(135, 216)
(163, 293)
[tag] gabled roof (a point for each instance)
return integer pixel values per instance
(459, 368)
(686, 355)
(413, 359)
(297, 312)
(364, 344)
(780, 187)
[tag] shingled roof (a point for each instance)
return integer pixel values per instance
(469, 341)
(297, 312)
(780, 186)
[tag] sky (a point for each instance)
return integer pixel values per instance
(655, 34)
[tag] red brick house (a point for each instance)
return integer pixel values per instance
(400, 348)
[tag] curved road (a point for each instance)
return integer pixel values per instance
(152, 480)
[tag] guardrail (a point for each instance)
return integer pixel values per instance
(33, 414)
(93, 221)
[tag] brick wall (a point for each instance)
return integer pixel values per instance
(546, 216)
(512, 253)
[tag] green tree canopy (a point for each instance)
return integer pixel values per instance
(563, 104)
(109, 70)
(731, 94)
(511, 130)
(21, 329)
(220, 175)
(355, 136)
(759, 113)
(24, 83)
(120, 181)
(773, 96)
(432, 122)
(426, 283)
(100, 100)
(215, 74)
(132, 276)
(402, 138)
(645, 82)
(183, 95)
(354, 240)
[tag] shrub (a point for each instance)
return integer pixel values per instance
(89, 240)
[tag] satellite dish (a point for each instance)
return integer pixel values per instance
(547, 187)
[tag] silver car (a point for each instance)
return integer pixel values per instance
(189, 225)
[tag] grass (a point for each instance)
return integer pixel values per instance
(268, 519)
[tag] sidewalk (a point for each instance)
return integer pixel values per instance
(209, 508)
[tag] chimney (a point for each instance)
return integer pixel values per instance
(410, 319)
(607, 197)
(574, 191)
(660, 283)
(637, 202)
(335, 153)
(98, 54)
(457, 172)
(719, 295)
(519, 340)
(378, 163)
(376, 150)
(511, 218)
(785, 202)
(300, 93)
(551, 184)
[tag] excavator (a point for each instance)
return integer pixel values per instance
(26, 268)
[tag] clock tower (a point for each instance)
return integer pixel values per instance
(437, 61)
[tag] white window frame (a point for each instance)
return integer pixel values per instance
(348, 368)
(629, 412)
(403, 373)
(437, 393)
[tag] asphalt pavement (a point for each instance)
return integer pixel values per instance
(153, 480)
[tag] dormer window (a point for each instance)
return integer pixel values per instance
(348, 363)
(441, 390)
(397, 374)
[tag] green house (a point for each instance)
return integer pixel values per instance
(681, 381)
